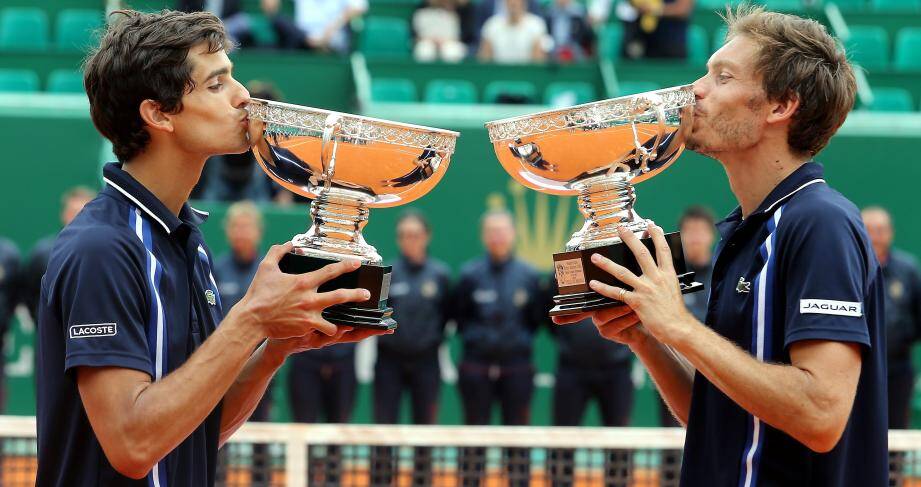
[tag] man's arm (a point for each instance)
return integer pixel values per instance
(138, 421)
(810, 399)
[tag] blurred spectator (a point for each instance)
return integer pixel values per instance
(407, 361)
(319, 25)
(437, 26)
(902, 312)
(234, 272)
(236, 21)
(569, 29)
(72, 202)
(235, 177)
(485, 9)
(590, 367)
(514, 36)
(652, 28)
(697, 227)
(9, 294)
(498, 306)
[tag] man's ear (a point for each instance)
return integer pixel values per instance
(155, 118)
(784, 109)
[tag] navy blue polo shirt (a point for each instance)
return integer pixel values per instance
(128, 285)
(799, 268)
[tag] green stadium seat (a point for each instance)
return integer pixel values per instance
(717, 5)
(450, 91)
(908, 49)
(634, 87)
(610, 42)
(719, 37)
(510, 92)
(565, 93)
(891, 100)
(65, 81)
(849, 5)
(77, 29)
(783, 5)
(698, 50)
(385, 37)
(18, 80)
(896, 6)
(868, 46)
(393, 90)
(23, 29)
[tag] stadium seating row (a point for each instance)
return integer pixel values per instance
(28, 29)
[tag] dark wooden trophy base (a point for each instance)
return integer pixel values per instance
(574, 270)
(373, 313)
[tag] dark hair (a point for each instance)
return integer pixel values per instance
(798, 59)
(696, 212)
(414, 214)
(144, 56)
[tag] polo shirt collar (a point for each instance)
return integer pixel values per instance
(134, 191)
(806, 175)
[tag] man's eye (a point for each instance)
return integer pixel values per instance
(216, 87)
(722, 78)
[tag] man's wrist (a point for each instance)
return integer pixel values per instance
(244, 326)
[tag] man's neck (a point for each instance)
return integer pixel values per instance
(170, 175)
(755, 172)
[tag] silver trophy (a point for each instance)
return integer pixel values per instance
(346, 164)
(597, 152)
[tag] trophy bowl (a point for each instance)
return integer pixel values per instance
(346, 164)
(597, 152)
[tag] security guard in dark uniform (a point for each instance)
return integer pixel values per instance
(590, 366)
(234, 271)
(698, 233)
(9, 295)
(71, 203)
(408, 359)
(498, 306)
(903, 312)
(321, 389)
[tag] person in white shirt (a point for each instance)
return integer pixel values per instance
(437, 26)
(320, 25)
(514, 37)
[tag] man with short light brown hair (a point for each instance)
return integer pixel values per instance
(784, 383)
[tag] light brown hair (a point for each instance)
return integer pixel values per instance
(799, 59)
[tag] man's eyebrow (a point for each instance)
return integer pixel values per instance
(218, 72)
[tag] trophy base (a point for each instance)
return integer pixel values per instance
(373, 313)
(575, 269)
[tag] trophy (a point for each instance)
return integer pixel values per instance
(346, 164)
(597, 152)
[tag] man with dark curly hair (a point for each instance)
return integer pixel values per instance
(137, 383)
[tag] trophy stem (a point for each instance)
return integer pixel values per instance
(606, 202)
(338, 215)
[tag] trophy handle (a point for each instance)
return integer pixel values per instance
(329, 145)
(644, 155)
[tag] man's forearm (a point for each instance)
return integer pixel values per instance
(166, 411)
(783, 396)
(249, 388)
(673, 376)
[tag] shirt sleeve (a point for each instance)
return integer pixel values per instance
(104, 305)
(825, 269)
